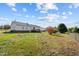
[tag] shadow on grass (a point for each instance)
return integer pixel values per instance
(57, 35)
(9, 32)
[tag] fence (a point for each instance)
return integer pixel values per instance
(75, 36)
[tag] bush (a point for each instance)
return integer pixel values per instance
(70, 30)
(51, 30)
(62, 28)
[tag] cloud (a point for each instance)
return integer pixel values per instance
(39, 6)
(68, 13)
(53, 17)
(44, 7)
(3, 18)
(70, 6)
(11, 4)
(76, 5)
(51, 6)
(24, 9)
(17, 14)
(64, 13)
(64, 17)
(42, 11)
(14, 9)
(50, 17)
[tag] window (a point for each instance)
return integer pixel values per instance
(22, 27)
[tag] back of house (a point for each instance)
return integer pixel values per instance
(19, 26)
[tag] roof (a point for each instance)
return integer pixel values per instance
(24, 24)
(19, 23)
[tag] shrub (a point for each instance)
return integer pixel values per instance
(62, 28)
(51, 30)
(70, 30)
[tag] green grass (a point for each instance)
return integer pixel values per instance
(7, 36)
(32, 44)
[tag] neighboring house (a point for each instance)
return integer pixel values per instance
(19, 26)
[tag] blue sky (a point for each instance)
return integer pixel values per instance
(42, 14)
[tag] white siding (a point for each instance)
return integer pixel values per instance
(22, 26)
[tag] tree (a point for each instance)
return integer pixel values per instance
(6, 26)
(76, 30)
(1, 27)
(62, 28)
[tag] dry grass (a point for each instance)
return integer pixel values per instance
(38, 44)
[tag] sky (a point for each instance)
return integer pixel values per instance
(41, 14)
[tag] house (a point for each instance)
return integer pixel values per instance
(19, 26)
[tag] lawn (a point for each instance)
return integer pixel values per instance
(37, 44)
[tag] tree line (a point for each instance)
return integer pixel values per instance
(62, 29)
(5, 27)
